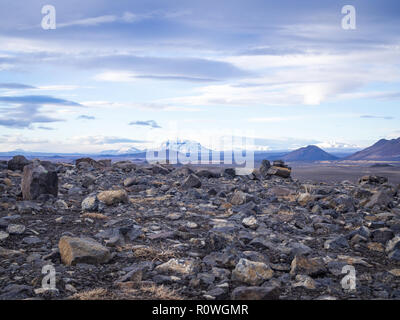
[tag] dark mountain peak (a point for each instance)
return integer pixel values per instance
(383, 150)
(309, 154)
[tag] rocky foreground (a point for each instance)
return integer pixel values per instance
(122, 231)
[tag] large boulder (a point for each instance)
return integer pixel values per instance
(372, 180)
(126, 166)
(37, 180)
(265, 165)
(82, 250)
(159, 169)
(279, 172)
(17, 163)
(229, 173)
(88, 161)
(380, 200)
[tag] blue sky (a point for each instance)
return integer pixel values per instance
(120, 74)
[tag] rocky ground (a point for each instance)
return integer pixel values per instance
(122, 231)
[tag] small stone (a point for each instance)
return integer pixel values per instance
(382, 235)
(395, 255)
(336, 243)
(70, 288)
(376, 246)
(256, 293)
(250, 222)
(305, 281)
(6, 253)
(130, 181)
(393, 244)
(395, 272)
(250, 272)
(304, 198)
(192, 225)
(192, 181)
(3, 235)
(88, 180)
(31, 240)
(16, 229)
(90, 203)
(174, 216)
(61, 204)
(179, 266)
(239, 198)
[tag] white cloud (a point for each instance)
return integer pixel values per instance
(115, 76)
(89, 21)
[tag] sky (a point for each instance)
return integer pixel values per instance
(116, 75)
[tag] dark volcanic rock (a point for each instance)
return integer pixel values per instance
(36, 181)
(256, 293)
(164, 232)
(17, 163)
(192, 181)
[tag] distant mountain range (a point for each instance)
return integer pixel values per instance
(383, 150)
(308, 154)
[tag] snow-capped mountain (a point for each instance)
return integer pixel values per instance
(126, 150)
(183, 146)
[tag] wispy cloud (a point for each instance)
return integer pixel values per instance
(148, 123)
(105, 140)
(376, 117)
(15, 86)
(24, 116)
(46, 128)
(85, 117)
(37, 100)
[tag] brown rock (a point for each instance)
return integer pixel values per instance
(112, 197)
(279, 171)
(82, 250)
(307, 266)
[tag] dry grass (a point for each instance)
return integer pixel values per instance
(150, 199)
(161, 292)
(308, 188)
(95, 294)
(129, 291)
(154, 254)
(94, 215)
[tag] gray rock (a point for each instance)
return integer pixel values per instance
(37, 180)
(255, 293)
(336, 243)
(250, 272)
(16, 229)
(90, 204)
(17, 163)
(82, 250)
(192, 181)
(382, 235)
